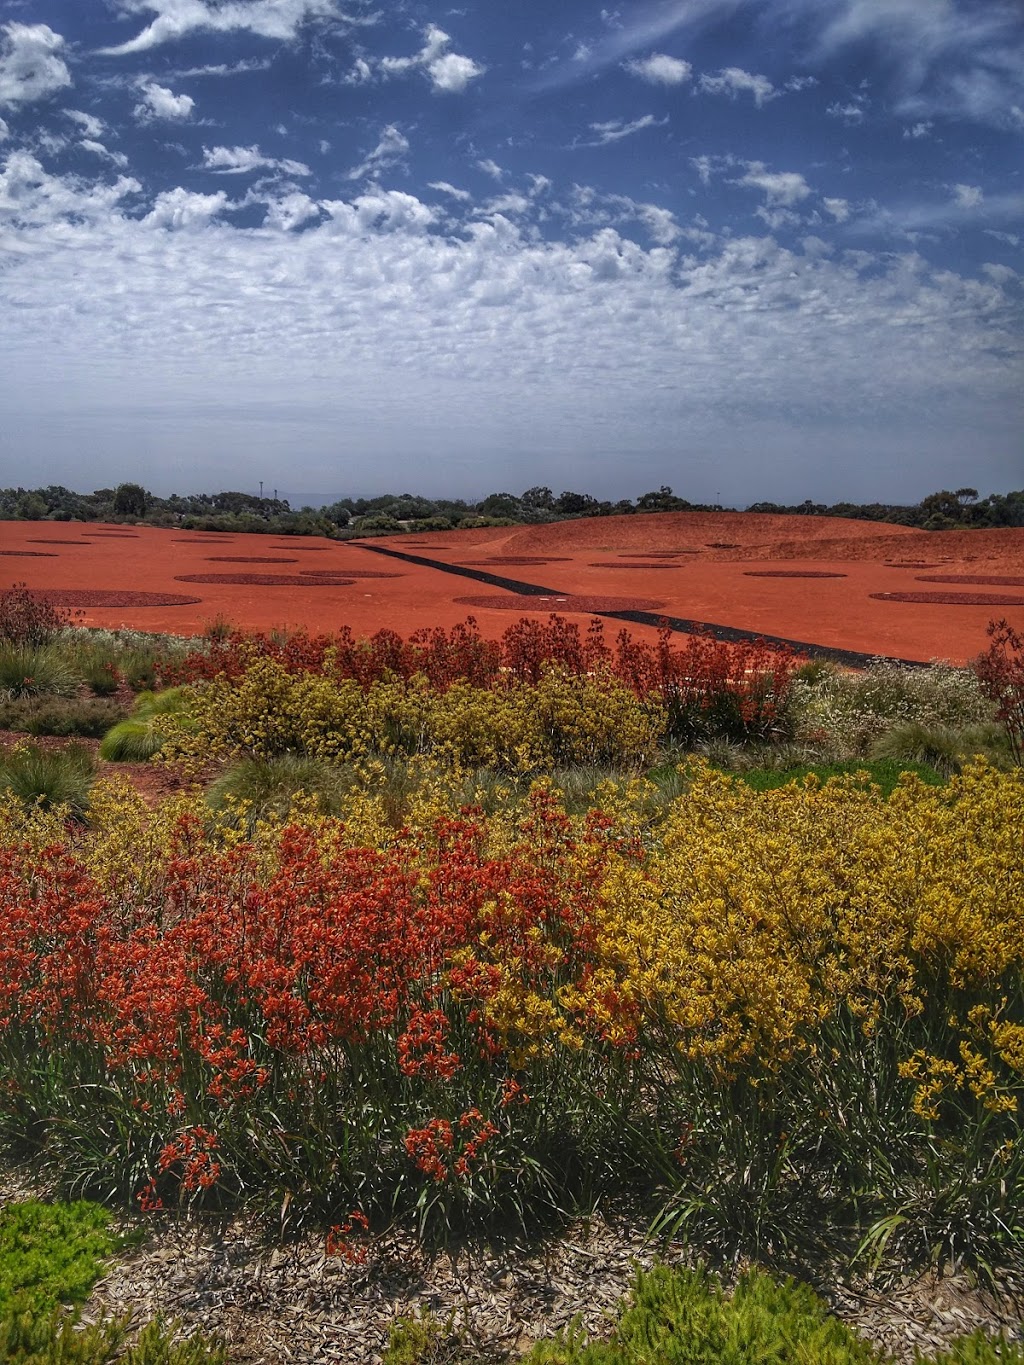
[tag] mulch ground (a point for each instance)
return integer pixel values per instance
(992, 579)
(952, 599)
(111, 597)
(522, 602)
(265, 579)
(30, 554)
(250, 559)
(791, 573)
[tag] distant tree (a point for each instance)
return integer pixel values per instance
(501, 505)
(31, 507)
(575, 504)
(540, 498)
(664, 500)
(130, 500)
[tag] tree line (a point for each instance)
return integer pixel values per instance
(392, 514)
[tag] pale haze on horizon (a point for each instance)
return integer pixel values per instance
(753, 249)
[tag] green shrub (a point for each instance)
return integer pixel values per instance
(683, 1317)
(143, 734)
(980, 1349)
(34, 671)
(51, 777)
(89, 717)
(51, 1254)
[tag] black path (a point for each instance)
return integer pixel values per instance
(849, 658)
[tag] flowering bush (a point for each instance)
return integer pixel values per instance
(788, 1011)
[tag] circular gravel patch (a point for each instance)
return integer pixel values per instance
(614, 564)
(722, 545)
(201, 540)
(655, 554)
(526, 602)
(952, 599)
(265, 579)
(31, 554)
(109, 597)
(41, 541)
(249, 559)
(992, 580)
(319, 548)
(909, 564)
(348, 573)
(790, 573)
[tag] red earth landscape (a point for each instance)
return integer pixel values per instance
(840, 584)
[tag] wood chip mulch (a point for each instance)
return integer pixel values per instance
(586, 605)
(952, 599)
(295, 1303)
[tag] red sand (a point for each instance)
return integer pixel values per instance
(837, 612)
(249, 559)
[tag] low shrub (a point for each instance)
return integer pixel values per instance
(684, 1317)
(87, 717)
(50, 1257)
(261, 789)
(29, 620)
(49, 777)
(1000, 673)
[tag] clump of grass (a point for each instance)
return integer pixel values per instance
(144, 733)
(35, 671)
(260, 789)
(49, 778)
(88, 717)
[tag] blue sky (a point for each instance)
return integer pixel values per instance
(754, 249)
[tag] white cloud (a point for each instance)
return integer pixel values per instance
(5, 132)
(181, 210)
(850, 113)
(660, 69)
(89, 124)
(31, 66)
(223, 69)
(463, 196)
(733, 81)
(277, 19)
(448, 72)
(918, 130)
(796, 84)
(158, 102)
(381, 321)
(614, 130)
(967, 196)
(703, 165)
(391, 148)
(242, 160)
(98, 149)
(947, 58)
(290, 211)
(452, 73)
(838, 208)
(490, 168)
(31, 197)
(779, 187)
